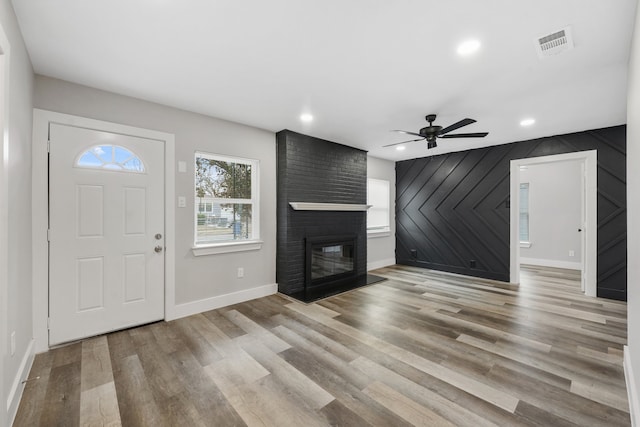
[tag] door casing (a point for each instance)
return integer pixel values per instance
(590, 161)
(41, 120)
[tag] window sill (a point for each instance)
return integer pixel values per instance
(525, 244)
(227, 247)
(371, 234)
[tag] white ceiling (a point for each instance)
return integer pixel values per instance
(361, 67)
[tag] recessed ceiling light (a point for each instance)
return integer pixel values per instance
(400, 147)
(307, 118)
(468, 47)
(527, 122)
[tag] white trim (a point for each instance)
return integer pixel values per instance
(15, 394)
(372, 234)
(571, 265)
(632, 390)
(227, 247)
(305, 206)
(40, 266)
(5, 62)
(195, 307)
(381, 263)
(590, 254)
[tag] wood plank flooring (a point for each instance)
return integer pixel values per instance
(423, 348)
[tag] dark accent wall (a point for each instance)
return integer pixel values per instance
(318, 171)
(454, 208)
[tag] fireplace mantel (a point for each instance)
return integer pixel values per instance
(306, 206)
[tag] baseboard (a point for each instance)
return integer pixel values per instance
(552, 263)
(15, 394)
(195, 307)
(381, 263)
(632, 390)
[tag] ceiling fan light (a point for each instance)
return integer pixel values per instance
(400, 147)
(306, 118)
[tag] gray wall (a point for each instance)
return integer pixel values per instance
(18, 314)
(202, 277)
(555, 200)
(381, 251)
(633, 206)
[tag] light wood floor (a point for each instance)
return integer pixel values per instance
(423, 348)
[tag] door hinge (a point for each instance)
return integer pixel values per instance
(48, 146)
(48, 235)
(48, 323)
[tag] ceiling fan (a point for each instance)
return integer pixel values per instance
(431, 132)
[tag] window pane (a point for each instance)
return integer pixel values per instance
(221, 179)
(378, 198)
(224, 222)
(110, 157)
(524, 212)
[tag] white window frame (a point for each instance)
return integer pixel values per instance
(525, 243)
(382, 188)
(226, 246)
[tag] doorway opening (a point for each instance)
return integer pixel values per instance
(584, 232)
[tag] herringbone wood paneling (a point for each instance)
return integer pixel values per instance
(454, 208)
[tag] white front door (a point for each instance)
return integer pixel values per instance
(106, 240)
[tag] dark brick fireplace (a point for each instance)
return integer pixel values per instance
(312, 170)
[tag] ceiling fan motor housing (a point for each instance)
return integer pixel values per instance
(430, 130)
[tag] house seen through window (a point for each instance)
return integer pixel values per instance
(225, 199)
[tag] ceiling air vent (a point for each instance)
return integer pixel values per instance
(555, 43)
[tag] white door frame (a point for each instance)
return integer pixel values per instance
(590, 252)
(41, 120)
(4, 217)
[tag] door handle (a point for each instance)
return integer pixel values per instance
(158, 249)
(579, 229)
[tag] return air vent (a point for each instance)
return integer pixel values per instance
(555, 43)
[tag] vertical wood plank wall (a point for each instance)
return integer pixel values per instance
(454, 208)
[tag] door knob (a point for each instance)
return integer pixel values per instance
(158, 236)
(158, 249)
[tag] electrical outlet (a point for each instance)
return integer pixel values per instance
(240, 272)
(572, 253)
(414, 253)
(182, 202)
(472, 263)
(13, 343)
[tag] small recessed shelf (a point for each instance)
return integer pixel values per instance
(305, 206)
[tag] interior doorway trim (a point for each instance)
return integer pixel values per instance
(41, 120)
(5, 417)
(590, 161)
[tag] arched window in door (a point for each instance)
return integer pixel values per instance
(110, 157)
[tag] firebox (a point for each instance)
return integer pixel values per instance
(330, 261)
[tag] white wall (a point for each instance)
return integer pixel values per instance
(632, 355)
(197, 278)
(381, 250)
(555, 199)
(17, 281)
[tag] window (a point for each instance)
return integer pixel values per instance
(524, 213)
(110, 157)
(378, 213)
(226, 200)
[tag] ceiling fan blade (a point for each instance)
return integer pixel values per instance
(408, 133)
(403, 142)
(466, 135)
(458, 125)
